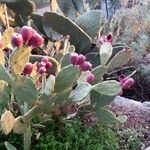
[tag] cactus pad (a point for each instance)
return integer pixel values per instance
(19, 58)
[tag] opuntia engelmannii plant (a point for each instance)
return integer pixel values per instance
(38, 91)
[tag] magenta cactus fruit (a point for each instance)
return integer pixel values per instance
(41, 64)
(36, 40)
(28, 69)
(86, 66)
(106, 38)
(81, 59)
(74, 58)
(47, 62)
(128, 83)
(42, 70)
(90, 78)
(27, 33)
(48, 65)
(17, 40)
(109, 38)
(45, 59)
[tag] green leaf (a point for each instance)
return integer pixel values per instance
(90, 22)
(110, 87)
(80, 92)
(65, 26)
(4, 75)
(98, 72)
(66, 77)
(105, 51)
(67, 8)
(121, 58)
(9, 146)
(4, 95)
(24, 89)
(79, 6)
(99, 100)
(105, 116)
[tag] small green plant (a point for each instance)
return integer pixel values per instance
(129, 139)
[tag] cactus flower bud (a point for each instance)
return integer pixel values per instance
(86, 66)
(42, 70)
(74, 58)
(17, 40)
(90, 78)
(36, 40)
(28, 69)
(81, 59)
(27, 33)
(128, 83)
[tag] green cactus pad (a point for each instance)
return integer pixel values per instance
(38, 22)
(4, 95)
(21, 7)
(79, 6)
(19, 58)
(24, 90)
(50, 83)
(9, 146)
(99, 100)
(65, 26)
(121, 58)
(105, 51)
(67, 8)
(4, 75)
(110, 87)
(80, 92)
(106, 116)
(98, 72)
(66, 77)
(90, 22)
(65, 61)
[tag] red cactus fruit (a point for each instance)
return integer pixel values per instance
(27, 33)
(42, 70)
(128, 83)
(81, 59)
(86, 66)
(36, 40)
(28, 69)
(74, 58)
(48, 65)
(17, 40)
(90, 78)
